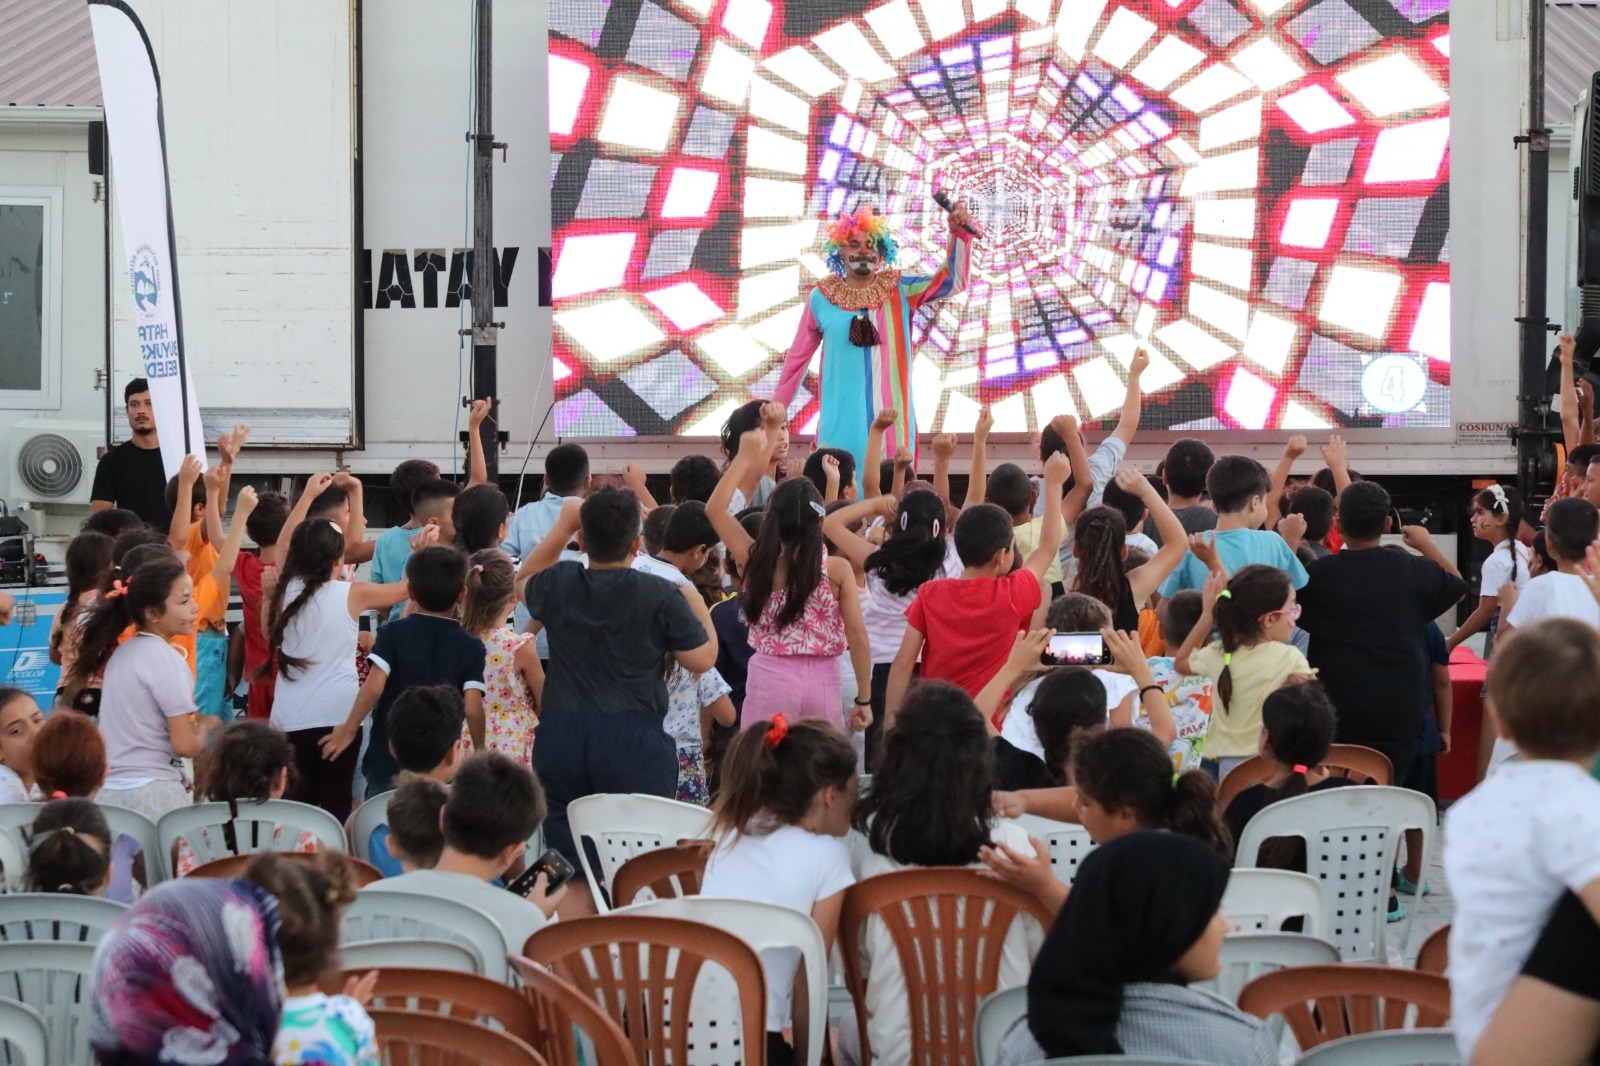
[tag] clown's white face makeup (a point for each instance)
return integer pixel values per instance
(861, 256)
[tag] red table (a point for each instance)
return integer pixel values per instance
(1458, 771)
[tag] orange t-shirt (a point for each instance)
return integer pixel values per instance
(1150, 634)
(202, 557)
(207, 598)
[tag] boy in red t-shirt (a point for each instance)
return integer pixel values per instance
(265, 526)
(963, 627)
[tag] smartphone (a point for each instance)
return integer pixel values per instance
(552, 865)
(1077, 649)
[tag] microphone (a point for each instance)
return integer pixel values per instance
(942, 198)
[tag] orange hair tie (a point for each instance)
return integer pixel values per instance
(119, 587)
(776, 731)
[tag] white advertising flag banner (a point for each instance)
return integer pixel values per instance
(134, 127)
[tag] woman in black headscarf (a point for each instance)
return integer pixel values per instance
(1141, 924)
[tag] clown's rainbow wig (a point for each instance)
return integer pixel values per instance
(864, 223)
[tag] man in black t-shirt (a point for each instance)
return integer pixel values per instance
(131, 475)
(1366, 610)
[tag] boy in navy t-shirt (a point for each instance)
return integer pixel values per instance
(427, 647)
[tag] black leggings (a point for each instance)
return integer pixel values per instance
(321, 783)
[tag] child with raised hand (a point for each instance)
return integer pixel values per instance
(779, 824)
(802, 606)
(1240, 490)
(210, 568)
(265, 527)
(511, 659)
(88, 564)
(1065, 704)
(1297, 723)
(759, 483)
(963, 628)
(69, 849)
(1496, 515)
(1099, 545)
(311, 623)
(147, 709)
(1189, 696)
(481, 517)
(317, 1028)
(1527, 832)
(1253, 614)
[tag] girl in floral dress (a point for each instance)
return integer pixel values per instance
(511, 659)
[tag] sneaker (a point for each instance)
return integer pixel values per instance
(1404, 884)
(1397, 912)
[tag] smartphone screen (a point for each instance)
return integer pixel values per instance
(1078, 649)
(552, 865)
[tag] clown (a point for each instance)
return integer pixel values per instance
(862, 318)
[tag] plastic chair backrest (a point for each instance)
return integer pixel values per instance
(669, 983)
(1246, 956)
(272, 825)
(23, 1036)
(13, 862)
(1434, 955)
(1351, 837)
(1253, 771)
(467, 997)
(949, 926)
(54, 979)
(31, 917)
(665, 873)
(364, 873)
(148, 869)
(623, 825)
(415, 952)
(1416, 1048)
(1260, 901)
(565, 1015)
(406, 1036)
(1323, 1003)
(364, 821)
(996, 1016)
(18, 817)
(1068, 844)
(766, 926)
(1363, 765)
(390, 915)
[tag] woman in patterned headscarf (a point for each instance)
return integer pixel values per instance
(189, 976)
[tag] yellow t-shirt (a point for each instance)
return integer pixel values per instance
(1027, 536)
(1255, 671)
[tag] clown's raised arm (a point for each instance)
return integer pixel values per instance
(861, 316)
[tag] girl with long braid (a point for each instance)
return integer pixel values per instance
(310, 621)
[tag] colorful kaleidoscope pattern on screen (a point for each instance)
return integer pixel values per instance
(1257, 191)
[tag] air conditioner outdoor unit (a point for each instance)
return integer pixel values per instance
(52, 461)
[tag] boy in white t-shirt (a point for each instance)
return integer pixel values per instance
(1531, 830)
(1571, 526)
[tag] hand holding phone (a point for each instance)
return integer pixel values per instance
(557, 870)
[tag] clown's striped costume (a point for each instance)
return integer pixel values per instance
(856, 383)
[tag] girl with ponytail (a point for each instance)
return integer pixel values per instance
(1297, 731)
(1496, 517)
(511, 665)
(918, 550)
(801, 605)
(1125, 783)
(147, 708)
(1253, 614)
(310, 621)
(69, 849)
(1099, 547)
(779, 824)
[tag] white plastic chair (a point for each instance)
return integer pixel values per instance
(364, 821)
(621, 826)
(1248, 955)
(389, 915)
(272, 825)
(34, 917)
(1405, 1047)
(1351, 836)
(1260, 901)
(996, 1016)
(763, 926)
(55, 980)
(24, 1032)
(13, 863)
(415, 952)
(1068, 844)
(18, 817)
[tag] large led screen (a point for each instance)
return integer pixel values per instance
(1257, 191)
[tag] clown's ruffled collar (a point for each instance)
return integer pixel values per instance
(848, 297)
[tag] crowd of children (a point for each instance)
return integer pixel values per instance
(779, 627)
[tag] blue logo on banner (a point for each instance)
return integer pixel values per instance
(145, 270)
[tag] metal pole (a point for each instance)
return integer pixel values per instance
(485, 331)
(1533, 435)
